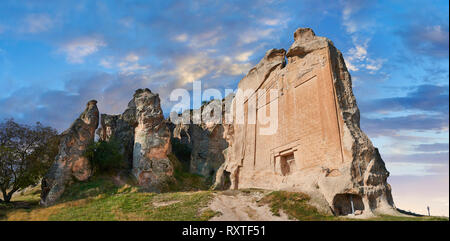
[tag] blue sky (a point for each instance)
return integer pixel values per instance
(57, 55)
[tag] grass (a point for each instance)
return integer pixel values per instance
(185, 181)
(410, 218)
(101, 200)
(295, 205)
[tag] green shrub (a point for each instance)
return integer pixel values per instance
(183, 180)
(105, 156)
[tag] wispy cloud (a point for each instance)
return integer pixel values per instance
(425, 98)
(36, 23)
(414, 169)
(76, 50)
(358, 26)
(428, 40)
(254, 35)
(194, 67)
(434, 147)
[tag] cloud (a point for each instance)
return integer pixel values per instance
(132, 57)
(205, 39)
(131, 67)
(437, 158)
(36, 23)
(414, 169)
(76, 50)
(359, 27)
(354, 16)
(197, 66)
(427, 40)
(386, 126)
(429, 98)
(350, 25)
(106, 62)
(434, 147)
(254, 35)
(59, 108)
(181, 37)
(244, 56)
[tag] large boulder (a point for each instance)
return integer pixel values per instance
(70, 163)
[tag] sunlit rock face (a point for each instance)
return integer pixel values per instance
(70, 163)
(144, 139)
(151, 166)
(318, 146)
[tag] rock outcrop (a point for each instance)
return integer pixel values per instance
(120, 128)
(70, 164)
(144, 138)
(151, 166)
(207, 141)
(317, 145)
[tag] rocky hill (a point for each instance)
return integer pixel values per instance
(314, 145)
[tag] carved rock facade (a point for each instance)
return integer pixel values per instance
(318, 146)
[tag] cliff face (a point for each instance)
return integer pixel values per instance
(317, 146)
(70, 163)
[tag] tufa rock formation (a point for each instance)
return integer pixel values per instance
(318, 146)
(70, 164)
(151, 166)
(313, 143)
(208, 141)
(144, 138)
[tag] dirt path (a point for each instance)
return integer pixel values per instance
(242, 206)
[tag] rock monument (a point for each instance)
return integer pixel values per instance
(318, 146)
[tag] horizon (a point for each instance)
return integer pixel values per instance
(56, 56)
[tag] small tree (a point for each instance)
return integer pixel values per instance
(105, 156)
(26, 153)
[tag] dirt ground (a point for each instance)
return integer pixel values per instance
(242, 206)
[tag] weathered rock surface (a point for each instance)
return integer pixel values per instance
(70, 164)
(151, 166)
(207, 141)
(318, 146)
(144, 138)
(120, 128)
